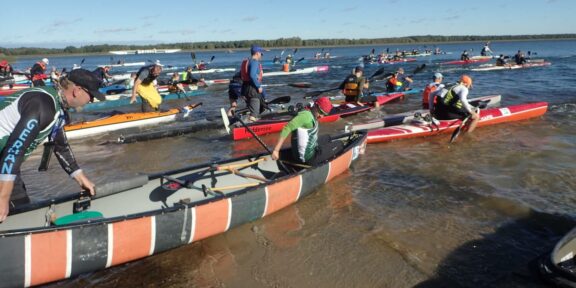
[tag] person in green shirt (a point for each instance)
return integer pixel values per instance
(307, 148)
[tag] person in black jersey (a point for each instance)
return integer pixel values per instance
(28, 119)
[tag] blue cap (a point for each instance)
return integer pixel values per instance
(255, 48)
(359, 68)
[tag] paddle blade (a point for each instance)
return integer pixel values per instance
(372, 51)
(419, 69)
(225, 120)
(295, 50)
(212, 59)
(193, 55)
(280, 100)
(377, 73)
(456, 132)
(300, 60)
(300, 85)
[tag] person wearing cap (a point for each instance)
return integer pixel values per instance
(307, 148)
(145, 87)
(429, 91)
(102, 74)
(519, 58)
(32, 116)
(251, 73)
(453, 103)
(398, 81)
(37, 73)
(353, 88)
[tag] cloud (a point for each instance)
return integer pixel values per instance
(249, 19)
(115, 30)
(349, 9)
(181, 31)
(61, 23)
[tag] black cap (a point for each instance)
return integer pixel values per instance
(88, 81)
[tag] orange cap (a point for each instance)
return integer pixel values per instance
(465, 79)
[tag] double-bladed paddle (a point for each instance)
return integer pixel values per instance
(458, 130)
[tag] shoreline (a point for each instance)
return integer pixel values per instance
(15, 57)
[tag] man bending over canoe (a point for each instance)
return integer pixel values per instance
(32, 116)
(353, 88)
(453, 103)
(145, 88)
(307, 148)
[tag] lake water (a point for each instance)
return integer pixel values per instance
(409, 213)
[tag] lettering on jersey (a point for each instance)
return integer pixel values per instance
(15, 150)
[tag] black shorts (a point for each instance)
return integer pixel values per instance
(442, 112)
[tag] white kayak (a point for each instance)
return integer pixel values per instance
(124, 64)
(298, 71)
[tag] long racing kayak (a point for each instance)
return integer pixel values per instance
(7, 91)
(511, 66)
(124, 99)
(298, 71)
(125, 121)
(487, 117)
(130, 64)
(466, 62)
(273, 123)
(483, 102)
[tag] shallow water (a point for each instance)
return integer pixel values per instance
(409, 213)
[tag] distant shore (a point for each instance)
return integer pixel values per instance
(50, 52)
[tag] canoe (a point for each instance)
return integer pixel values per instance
(483, 102)
(511, 66)
(487, 117)
(274, 122)
(466, 62)
(125, 76)
(137, 217)
(125, 121)
(298, 71)
(124, 100)
(558, 267)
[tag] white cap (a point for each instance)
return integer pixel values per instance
(45, 60)
(438, 75)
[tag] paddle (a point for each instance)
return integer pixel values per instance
(193, 55)
(299, 60)
(314, 94)
(278, 100)
(259, 140)
(211, 59)
(458, 130)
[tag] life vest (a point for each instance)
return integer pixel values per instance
(451, 99)
(352, 86)
(286, 67)
(9, 110)
(245, 71)
(306, 140)
(393, 84)
(426, 94)
(38, 74)
(150, 78)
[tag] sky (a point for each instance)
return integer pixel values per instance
(56, 24)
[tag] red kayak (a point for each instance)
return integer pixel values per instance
(487, 117)
(466, 62)
(273, 123)
(6, 90)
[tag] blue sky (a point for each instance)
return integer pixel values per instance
(63, 22)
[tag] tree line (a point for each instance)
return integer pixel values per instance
(277, 43)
